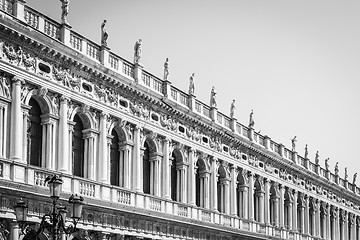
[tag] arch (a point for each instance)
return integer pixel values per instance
(34, 140)
(114, 159)
(46, 104)
(87, 117)
(78, 147)
(242, 178)
(122, 131)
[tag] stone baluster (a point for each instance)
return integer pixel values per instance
(16, 138)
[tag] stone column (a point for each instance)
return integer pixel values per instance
(69, 141)
(352, 226)
(206, 189)
(301, 207)
(16, 139)
(226, 187)
(294, 211)
(63, 153)
(289, 208)
(233, 184)
(317, 219)
(136, 171)
(155, 175)
(281, 206)
(327, 221)
(14, 231)
(26, 136)
(103, 160)
(214, 176)
(243, 204)
(89, 153)
(260, 196)
(267, 202)
(48, 142)
(251, 196)
(3, 130)
(192, 180)
(307, 216)
(165, 168)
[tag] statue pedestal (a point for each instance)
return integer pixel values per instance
(294, 157)
(327, 174)
(281, 149)
(267, 142)
(213, 113)
(191, 102)
(251, 134)
(233, 124)
(317, 169)
(306, 163)
(65, 34)
(167, 88)
(104, 55)
(138, 72)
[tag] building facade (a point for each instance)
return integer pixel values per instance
(151, 161)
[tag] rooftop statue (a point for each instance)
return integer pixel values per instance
(293, 143)
(251, 120)
(232, 109)
(166, 69)
(104, 34)
(192, 84)
(354, 179)
(346, 174)
(336, 170)
(317, 158)
(307, 153)
(137, 51)
(65, 10)
(213, 103)
(327, 164)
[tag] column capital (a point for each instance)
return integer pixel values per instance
(17, 80)
(64, 98)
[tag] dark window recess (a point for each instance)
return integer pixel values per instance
(261, 165)
(226, 149)
(87, 87)
(244, 157)
(181, 129)
(45, 68)
(276, 171)
(154, 117)
(123, 103)
(205, 140)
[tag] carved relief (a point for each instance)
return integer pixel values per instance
(5, 87)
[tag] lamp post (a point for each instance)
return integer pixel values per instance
(53, 222)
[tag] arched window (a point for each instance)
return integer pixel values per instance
(114, 159)
(78, 147)
(146, 169)
(202, 184)
(242, 194)
(197, 185)
(34, 134)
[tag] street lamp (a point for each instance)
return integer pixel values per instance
(53, 222)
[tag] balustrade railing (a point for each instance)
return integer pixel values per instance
(205, 216)
(51, 28)
(31, 18)
(87, 189)
(182, 211)
(39, 178)
(76, 41)
(6, 6)
(154, 204)
(206, 111)
(128, 69)
(198, 107)
(123, 197)
(93, 51)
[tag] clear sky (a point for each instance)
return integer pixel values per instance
(295, 63)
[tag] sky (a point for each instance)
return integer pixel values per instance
(295, 63)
